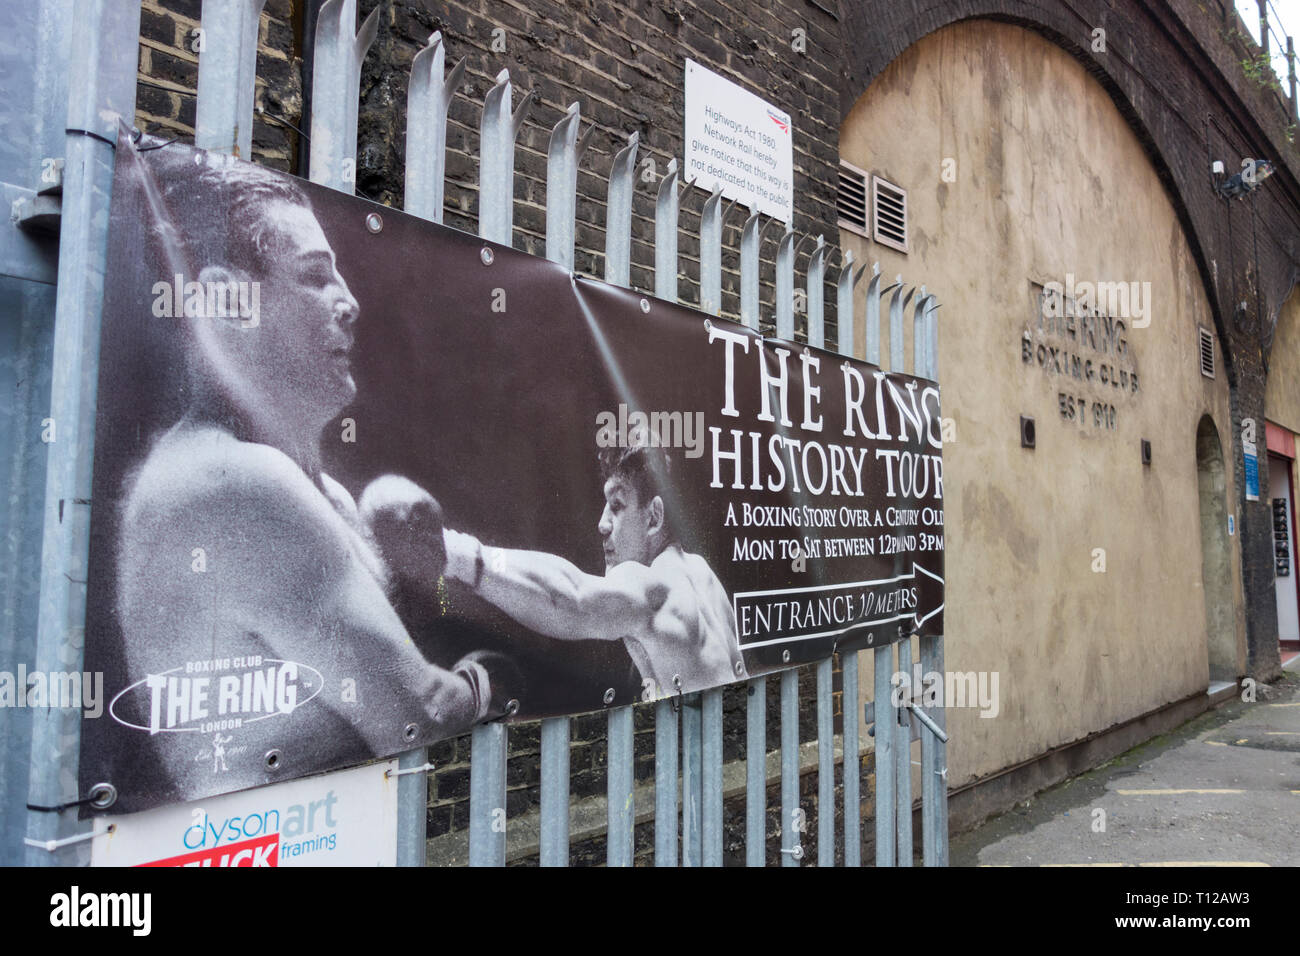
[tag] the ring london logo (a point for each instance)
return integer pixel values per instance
(212, 696)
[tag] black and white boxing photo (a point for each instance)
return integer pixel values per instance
(667, 606)
(356, 503)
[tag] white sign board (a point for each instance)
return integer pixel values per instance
(347, 818)
(738, 141)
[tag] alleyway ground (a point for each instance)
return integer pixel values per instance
(1223, 789)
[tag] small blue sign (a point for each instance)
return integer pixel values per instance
(1252, 471)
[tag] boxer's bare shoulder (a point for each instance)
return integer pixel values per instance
(701, 573)
(677, 615)
(675, 565)
(245, 511)
(195, 473)
(692, 633)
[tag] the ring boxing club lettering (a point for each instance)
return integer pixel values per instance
(1072, 337)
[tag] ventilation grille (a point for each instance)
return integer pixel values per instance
(852, 202)
(890, 214)
(1207, 353)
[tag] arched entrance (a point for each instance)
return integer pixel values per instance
(1216, 568)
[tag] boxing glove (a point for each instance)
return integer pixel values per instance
(500, 674)
(405, 522)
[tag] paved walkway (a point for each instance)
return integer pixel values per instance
(1222, 790)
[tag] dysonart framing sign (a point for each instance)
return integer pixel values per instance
(362, 481)
(346, 818)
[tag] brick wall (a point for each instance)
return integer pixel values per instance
(169, 71)
(624, 63)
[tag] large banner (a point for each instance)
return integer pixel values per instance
(362, 481)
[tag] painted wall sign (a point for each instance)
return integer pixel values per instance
(739, 141)
(1078, 336)
(347, 818)
(359, 489)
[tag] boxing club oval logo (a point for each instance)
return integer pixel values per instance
(214, 695)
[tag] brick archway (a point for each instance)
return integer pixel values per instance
(1174, 74)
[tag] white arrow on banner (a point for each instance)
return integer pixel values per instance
(916, 615)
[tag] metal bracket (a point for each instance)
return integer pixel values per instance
(927, 720)
(29, 248)
(39, 213)
(923, 719)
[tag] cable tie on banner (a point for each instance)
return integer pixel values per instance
(275, 118)
(102, 796)
(49, 846)
(92, 135)
(145, 149)
(427, 768)
(137, 135)
(60, 807)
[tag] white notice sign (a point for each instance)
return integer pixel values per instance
(738, 141)
(345, 818)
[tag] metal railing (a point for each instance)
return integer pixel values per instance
(223, 123)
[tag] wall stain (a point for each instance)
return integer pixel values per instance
(989, 515)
